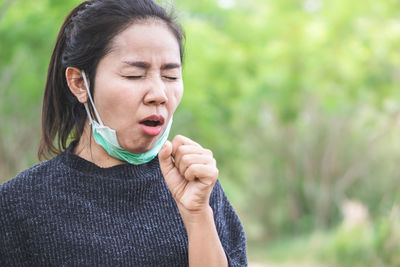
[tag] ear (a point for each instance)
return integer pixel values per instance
(76, 84)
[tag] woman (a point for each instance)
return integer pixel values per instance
(119, 194)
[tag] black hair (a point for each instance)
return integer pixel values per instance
(84, 38)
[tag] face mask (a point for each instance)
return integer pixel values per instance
(107, 137)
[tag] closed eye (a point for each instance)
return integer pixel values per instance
(133, 77)
(170, 78)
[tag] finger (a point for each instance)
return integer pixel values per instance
(181, 140)
(190, 159)
(189, 149)
(165, 158)
(205, 173)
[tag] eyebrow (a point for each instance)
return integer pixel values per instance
(145, 65)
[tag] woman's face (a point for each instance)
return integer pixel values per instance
(138, 85)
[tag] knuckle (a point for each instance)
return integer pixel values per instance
(188, 171)
(216, 173)
(176, 139)
(185, 159)
(208, 152)
(181, 150)
(179, 137)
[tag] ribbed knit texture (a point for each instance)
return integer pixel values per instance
(69, 212)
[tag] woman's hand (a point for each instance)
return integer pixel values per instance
(190, 172)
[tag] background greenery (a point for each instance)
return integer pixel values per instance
(298, 99)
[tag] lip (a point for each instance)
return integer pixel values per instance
(154, 117)
(152, 130)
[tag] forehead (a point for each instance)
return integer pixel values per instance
(148, 38)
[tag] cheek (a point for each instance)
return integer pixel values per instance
(116, 102)
(175, 97)
(107, 99)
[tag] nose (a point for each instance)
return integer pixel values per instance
(156, 94)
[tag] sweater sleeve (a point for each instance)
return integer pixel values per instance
(229, 228)
(12, 237)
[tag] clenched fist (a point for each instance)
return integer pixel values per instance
(190, 172)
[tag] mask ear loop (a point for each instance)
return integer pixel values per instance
(91, 101)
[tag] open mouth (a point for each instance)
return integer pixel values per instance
(151, 123)
(153, 120)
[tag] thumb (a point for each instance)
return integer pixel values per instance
(165, 158)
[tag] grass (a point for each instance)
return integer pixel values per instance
(370, 244)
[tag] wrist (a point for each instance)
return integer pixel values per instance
(195, 218)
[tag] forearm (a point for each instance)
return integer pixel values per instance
(190, 172)
(205, 248)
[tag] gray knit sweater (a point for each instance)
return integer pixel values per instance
(69, 212)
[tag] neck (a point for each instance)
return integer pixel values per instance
(88, 149)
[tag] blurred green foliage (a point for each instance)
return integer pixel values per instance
(357, 245)
(298, 99)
